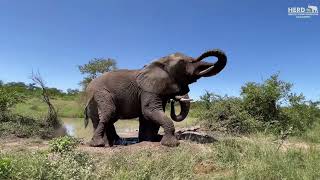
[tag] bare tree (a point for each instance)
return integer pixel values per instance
(52, 116)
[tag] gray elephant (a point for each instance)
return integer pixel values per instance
(144, 93)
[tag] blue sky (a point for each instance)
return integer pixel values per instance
(258, 36)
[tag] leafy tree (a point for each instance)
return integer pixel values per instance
(270, 106)
(53, 92)
(96, 67)
(33, 87)
(72, 92)
(19, 87)
(263, 100)
(208, 98)
(300, 114)
(9, 98)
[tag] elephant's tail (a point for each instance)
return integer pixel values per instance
(86, 118)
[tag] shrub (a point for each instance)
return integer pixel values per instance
(70, 165)
(228, 114)
(269, 107)
(263, 101)
(301, 115)
(22, 126)
(63, 144)
(8, 99)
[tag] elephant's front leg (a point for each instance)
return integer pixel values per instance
(153, 111)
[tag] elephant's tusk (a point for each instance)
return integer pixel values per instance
(205, 71)
(183, 99)
(186, 100)
(178, 97)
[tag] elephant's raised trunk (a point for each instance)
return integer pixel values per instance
(184, 102)
(217, 66)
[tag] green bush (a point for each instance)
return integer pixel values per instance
(228, 114)
(8, 99)
(302, 116)
(63, 144)
(21, 126)
(267, 107)
(263, 101)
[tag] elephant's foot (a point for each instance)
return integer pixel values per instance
(97, 142)
(114, 139)
(148, 137)
(119, 141)
(169, 141)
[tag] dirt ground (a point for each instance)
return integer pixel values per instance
(14, 144)
(9, 144)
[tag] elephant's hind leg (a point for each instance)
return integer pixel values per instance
(148, 130)
(111, 134)
(106, 111)
(93, 114)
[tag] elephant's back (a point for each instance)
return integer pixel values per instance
(112, 80)
(121, 84)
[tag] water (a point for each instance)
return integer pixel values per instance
(70, 129)
(125, 128)
(75, 127)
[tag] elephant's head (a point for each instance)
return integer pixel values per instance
(170, 76)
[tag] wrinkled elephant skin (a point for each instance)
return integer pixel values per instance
(144, 93)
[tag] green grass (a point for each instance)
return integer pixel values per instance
(236, 158)
(43, 165)
(253, 157)
(36, 107)
(254, 160)
(312, 135)
(71, 108)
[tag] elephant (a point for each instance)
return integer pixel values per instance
(144, 93)
(313, 9)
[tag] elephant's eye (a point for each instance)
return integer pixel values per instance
(181, 67)
(181, 62)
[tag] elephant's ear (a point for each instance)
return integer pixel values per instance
(155, 79)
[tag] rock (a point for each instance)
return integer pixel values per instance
(194, 134)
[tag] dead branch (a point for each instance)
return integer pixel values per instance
(52, 116)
